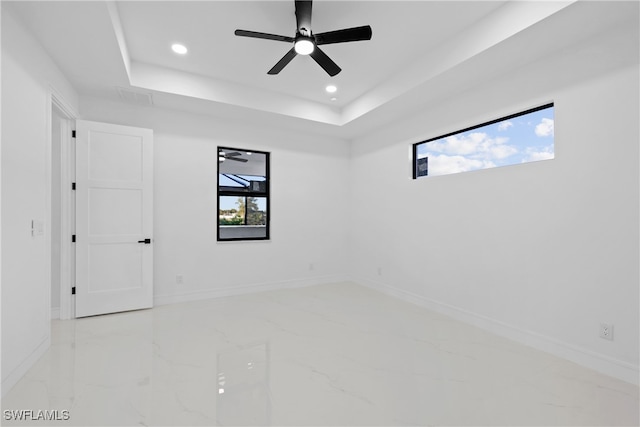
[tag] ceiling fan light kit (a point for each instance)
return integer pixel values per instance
(306, 43)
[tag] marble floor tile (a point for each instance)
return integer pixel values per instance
(330, 355)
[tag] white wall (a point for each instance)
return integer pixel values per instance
(28, 76)
(541, 252)
(309, 190)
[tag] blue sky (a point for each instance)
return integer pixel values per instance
(520, 139)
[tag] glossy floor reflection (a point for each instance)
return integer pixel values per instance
(334, 354)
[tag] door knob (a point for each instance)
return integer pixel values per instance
(145, 241)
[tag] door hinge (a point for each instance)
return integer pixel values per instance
(73, 290)
(73, 134)
(73, 185)
(73, 238)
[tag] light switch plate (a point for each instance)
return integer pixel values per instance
(37, 227)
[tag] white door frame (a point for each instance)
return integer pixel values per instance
(67, 226)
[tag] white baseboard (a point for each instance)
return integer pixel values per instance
(598, 362)
(245, 289)
(15, 376)
(55, 313)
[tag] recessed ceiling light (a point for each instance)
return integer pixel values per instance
(331, 88)
(179, 49)
(334, 99)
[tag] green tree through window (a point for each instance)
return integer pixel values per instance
(248, 208)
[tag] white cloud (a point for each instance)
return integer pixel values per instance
(500, 151)
(545, 153)
(504, 125)
(456, 145)
(545, 128)
(443, 164)
(476, 145)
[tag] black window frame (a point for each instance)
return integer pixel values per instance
(242, 192)
(414, 163)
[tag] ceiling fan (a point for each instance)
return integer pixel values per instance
(306, 43)
(222, 156)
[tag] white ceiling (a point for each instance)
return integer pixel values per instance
(102, 46)
(217, 53)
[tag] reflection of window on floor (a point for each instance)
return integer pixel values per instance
(243, 396)
(519, 138)
(243, 194)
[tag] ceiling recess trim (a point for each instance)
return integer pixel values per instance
(186, 84)
(116, 23)
(505, 22)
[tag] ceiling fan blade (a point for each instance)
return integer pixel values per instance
(303, 16)
(283, 62)
(347, 35)
(235, 153)
(258, 35)
(325, 62)
(237, 160)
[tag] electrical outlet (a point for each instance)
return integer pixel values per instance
(606, 331)
(179, 279)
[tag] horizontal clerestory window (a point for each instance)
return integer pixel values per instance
(523, 137)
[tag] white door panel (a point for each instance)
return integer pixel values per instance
(114, 215)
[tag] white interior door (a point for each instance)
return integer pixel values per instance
(114, 217)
